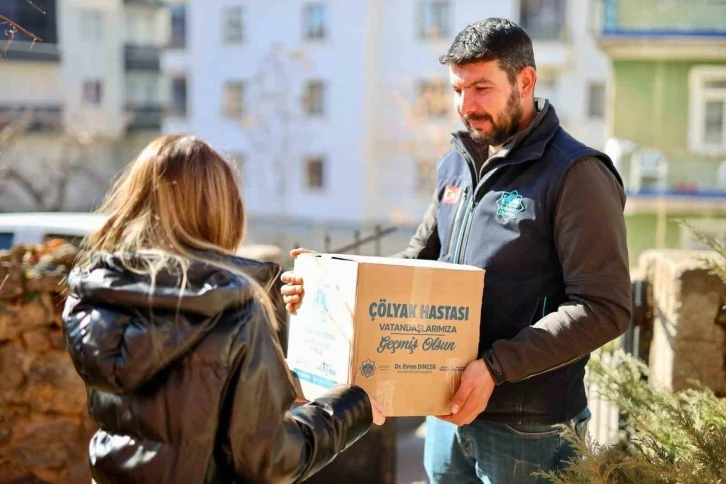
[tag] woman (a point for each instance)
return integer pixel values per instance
(174, 337)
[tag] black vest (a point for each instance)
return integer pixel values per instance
(504, 224)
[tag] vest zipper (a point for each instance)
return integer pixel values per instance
(453, 237)
(466, 226)
(463, 227)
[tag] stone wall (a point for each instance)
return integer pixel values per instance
(688, 332)
(44, 423)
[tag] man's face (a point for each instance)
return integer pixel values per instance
(489, 106)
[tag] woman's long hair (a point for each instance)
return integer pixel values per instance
(179, 197)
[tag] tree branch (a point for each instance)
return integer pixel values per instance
(15, 26)
(35, 7)
(10, 173)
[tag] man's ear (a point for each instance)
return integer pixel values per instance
(526, 80)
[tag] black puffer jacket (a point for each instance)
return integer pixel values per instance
(193, 387)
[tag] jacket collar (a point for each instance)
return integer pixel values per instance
(527, 144)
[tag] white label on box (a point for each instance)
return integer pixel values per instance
(323, 342)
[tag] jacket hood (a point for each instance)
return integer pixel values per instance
(122, 328)
(207, 290)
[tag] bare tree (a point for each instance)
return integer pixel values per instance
(64, 158)
(272, 122)
(14, 28)
(427, 120)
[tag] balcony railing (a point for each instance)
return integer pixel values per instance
(657, 18)
(33, 119)
(142, 58)
(150, 3)
(144, 117)
(29, 51)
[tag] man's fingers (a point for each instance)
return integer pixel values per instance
(296, 252)
(462, 395)
(291, 290)
(457, 420)
(289, 277)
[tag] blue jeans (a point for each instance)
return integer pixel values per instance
(496, 453)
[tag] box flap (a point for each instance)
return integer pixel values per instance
(365, 259)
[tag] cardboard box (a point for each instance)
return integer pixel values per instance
(404, 330)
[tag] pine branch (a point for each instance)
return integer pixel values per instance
(676, 438)
(716, 268)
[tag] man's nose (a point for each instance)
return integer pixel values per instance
(468, 104)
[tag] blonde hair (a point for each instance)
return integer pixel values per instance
(177, 197)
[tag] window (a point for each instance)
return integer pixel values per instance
(232, 25)
(233, 100)
(433, 98)
(425, 177)
(178, 26)
(92, 91)
(26, 13)
(142, 89)
(314, 98)
(315, 21)
(140, 29)
(91, 25)
(315, 173)
(179, 95)
(433, 19)
(596, 100)
(543, 19)
(707, 122)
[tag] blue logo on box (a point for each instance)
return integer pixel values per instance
(368, 368)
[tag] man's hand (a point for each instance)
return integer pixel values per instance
(473, 394)
(292, 291)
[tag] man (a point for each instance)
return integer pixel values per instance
(543, 214)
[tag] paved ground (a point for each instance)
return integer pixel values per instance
(410, 447)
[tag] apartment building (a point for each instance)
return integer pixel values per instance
(337, 111)
(86, 97)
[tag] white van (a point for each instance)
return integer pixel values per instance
(36, 228)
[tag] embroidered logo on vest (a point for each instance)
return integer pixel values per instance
(510, 205)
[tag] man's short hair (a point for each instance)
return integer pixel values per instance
(493, 39)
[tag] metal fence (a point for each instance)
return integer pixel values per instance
(606, 424)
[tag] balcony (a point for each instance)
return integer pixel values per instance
(642, 29)
(19, 50)
(142, 58)
(546, 23)
(145, 3)
(39, 119)
(144, 117)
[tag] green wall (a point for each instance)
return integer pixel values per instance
(650, 107)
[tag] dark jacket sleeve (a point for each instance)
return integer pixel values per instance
(425, 243)
(268, 441)
(590, 237)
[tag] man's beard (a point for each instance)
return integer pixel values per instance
(506, 126)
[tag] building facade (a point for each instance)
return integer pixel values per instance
(667, 94)
(81, 100)
(337, 111)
